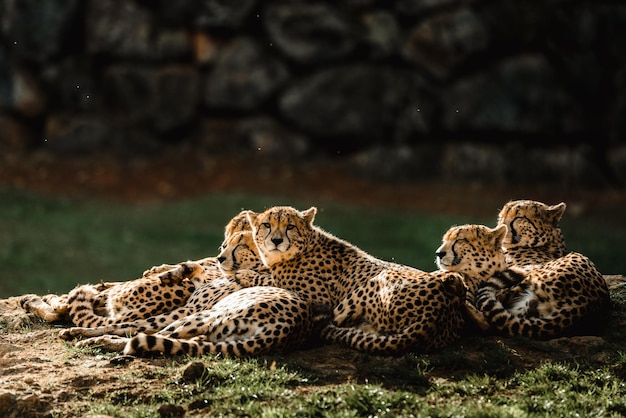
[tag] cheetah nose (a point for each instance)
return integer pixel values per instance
(440, 254)
(277, 241)
(220, 259)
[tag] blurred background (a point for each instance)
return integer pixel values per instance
(131, 131)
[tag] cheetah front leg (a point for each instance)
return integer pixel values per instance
(187, 270)
(349, 311)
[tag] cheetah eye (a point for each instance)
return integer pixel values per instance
(266, 225)
(290, 226)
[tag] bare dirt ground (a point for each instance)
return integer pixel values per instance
(40, 375)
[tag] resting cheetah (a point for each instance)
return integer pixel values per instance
(533, 235)
(404, 308)
(232, 322)
(239, 266)
(106, 303)
(559, 297)
(250, 321)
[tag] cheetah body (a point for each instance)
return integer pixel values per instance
(238, 264)
(222, 316)
(554, 298)
(377, 306)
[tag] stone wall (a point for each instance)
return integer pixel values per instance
(512, 90)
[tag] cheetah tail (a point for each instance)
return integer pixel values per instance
(577, 319)
(146, 345)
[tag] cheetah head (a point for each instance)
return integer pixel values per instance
(532, 224)
(474, 250)
(239, 252)
(281, 232)
(238, 224)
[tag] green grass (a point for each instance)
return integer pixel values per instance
(52, 244)
(260, 387)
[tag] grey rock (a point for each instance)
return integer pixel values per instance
(223, 13)
(258, 136)
(244, 77)
(382, 33)
(19, 89)
(443, 42)
(616, 157)
(399, 163)
(67, 134)
(310, 32)
(521, 94)
(359, 102)
(36, 30)
(481, 163)
(71, 85)
(416, 7)
(206, 14)
(118, 28)
(162, 99)
(267, 138)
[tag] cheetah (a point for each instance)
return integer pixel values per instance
(559, 297)
(106, 303)
(237, 322)
(251, 321)
(377, 306)
(238, 264)
(533, 236)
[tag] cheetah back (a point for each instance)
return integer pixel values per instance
(361, 288)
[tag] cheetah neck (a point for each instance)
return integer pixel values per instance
(529, 256)
(327, 269)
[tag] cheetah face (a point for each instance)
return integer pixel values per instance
(474, 250)
(531, 224)
(238, 224)
(239, 252)
(281, 232)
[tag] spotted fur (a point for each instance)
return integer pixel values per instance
(251, 321)
(224, 318)
(533, 236)
(559, 297)
(402, 308)
(116, 302)
(240, 267)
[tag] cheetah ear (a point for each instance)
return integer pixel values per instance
(555, 213)
(251, 218)
(497, 235)
(309, 214)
